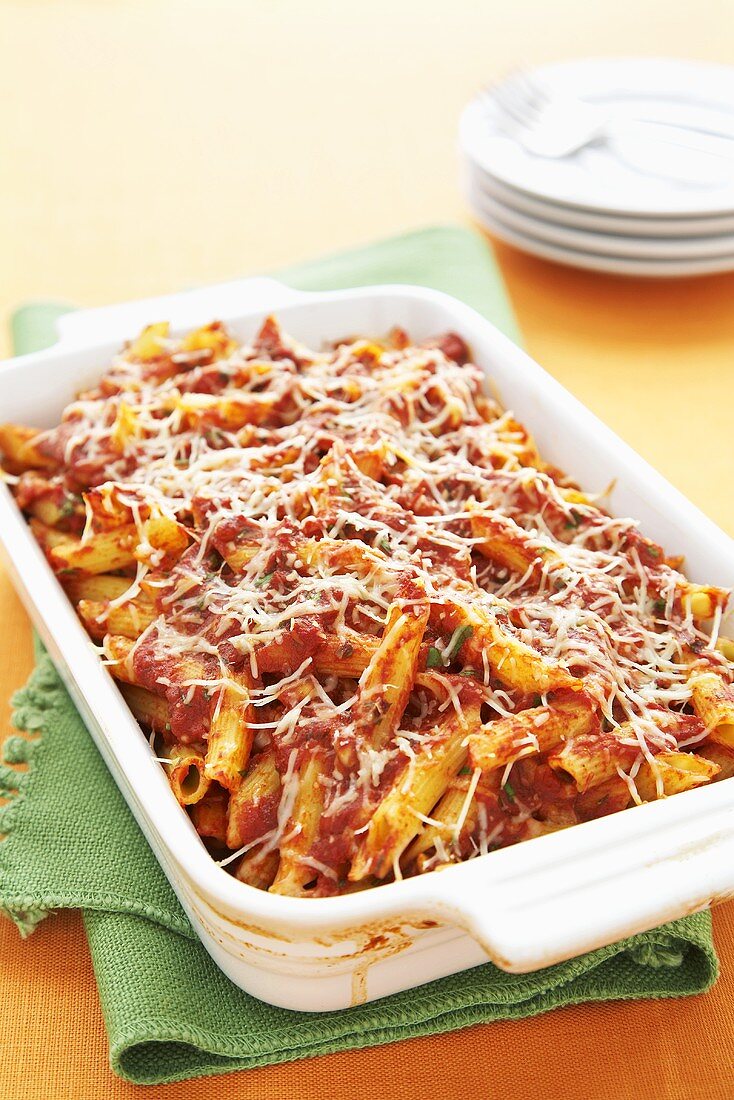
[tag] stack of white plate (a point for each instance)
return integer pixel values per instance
(626, 205)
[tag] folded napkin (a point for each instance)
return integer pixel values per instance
(170, 1013)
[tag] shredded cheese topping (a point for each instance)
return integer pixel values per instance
(315, 491)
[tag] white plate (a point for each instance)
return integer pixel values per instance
(597, 261)
(524, 907)
(606, 244)
(596, 178)
(558, 213)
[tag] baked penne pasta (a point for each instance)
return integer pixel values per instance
(366, 629)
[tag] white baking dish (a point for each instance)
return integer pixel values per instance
(523, 907)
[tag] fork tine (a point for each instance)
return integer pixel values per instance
(504, 122)
(532, 90)
(513, 103)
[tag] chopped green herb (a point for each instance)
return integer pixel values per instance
(469, 672)
(457, 641)
(509, 791)
(466, 770)
(659, 606)
(573, 520)
(654, 551)
(434, 660)
(68, 508)
(437, 659)
(384, 544)
(262, 581)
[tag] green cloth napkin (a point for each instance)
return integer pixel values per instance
(170, 1013)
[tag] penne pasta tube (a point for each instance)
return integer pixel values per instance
(150, 344)
(454, 818)
(713, 702)
(422, 782)
(49, 537)
(550, 794)
(125, 428)
(109, 507)
(148, 708)
(508, 545)
(129, 619)
(386, 683)
(212, 337)
(590, 759)
(533, 731)
(209, 815)
(230, 735)
(446, 814)
(165, 541)
(346, 654)
(605, 798)
(513, 663)
(237, 556)
(346, 557)
(253, 806)
(720, 755)
(118, 651)
(101, 553)
(49, 512)
(20, 450)
(99, 588)
(184, 767)
(672, 773)
(258, 868)
(228, 413)
(295, 869)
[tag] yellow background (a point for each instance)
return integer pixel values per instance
(148, 146)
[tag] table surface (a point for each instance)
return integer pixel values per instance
(151, 146)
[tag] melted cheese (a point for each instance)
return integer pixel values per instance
(389, 452)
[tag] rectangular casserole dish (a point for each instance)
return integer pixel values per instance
(523, 907)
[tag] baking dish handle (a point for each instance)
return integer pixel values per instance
(529, 917)
(86, 327)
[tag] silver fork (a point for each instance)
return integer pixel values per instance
(556, 126)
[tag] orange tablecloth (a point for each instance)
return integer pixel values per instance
(656, 361)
